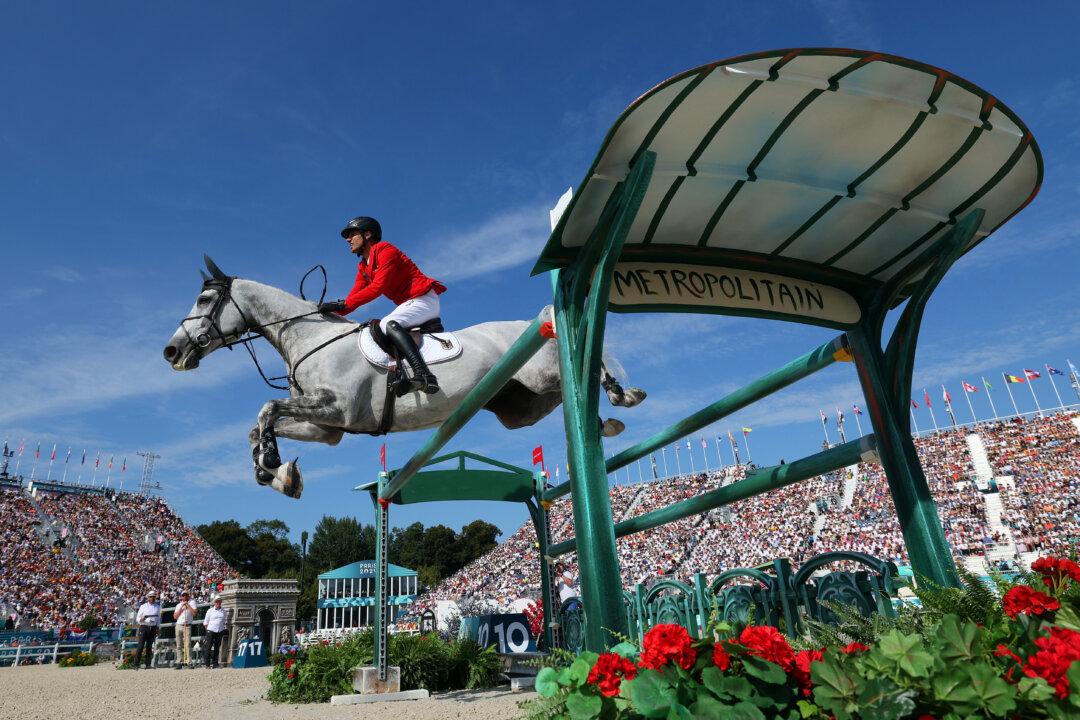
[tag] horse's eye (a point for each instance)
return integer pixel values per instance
(204, 300)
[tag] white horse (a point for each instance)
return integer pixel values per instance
(334, 390)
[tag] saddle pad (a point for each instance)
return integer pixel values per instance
(431, 349)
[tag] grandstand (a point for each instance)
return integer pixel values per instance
(68, 551)
(1006, 491)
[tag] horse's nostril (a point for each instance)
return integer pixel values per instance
(170, 352)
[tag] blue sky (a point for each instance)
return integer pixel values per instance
(134, 138)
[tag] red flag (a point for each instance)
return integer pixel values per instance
(969, 388)
(1031, 374)
(52, 455)
(857, 410)
(926, 397)
(945, 395)
(914, 404)
(704, 445)
(382, 456)
(538, 456)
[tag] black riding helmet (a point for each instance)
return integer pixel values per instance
(362, 223)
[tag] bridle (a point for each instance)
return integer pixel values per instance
(249, 331)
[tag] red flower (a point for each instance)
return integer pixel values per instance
(666, 643)
(289, 664)
(609, 671)
(1004, 651)
(767, 642)
(800, 669)
(1027, 600)
(1055, 570)
(720, 657)
(852, 648)
(1056, 653)
(292, 676)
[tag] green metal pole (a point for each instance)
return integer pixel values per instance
(381, 584)
(799, 368)
(539, 518)
(527, 345)
(756, 482)
(916, 510)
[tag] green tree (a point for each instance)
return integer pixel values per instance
(231, 542)
(273, 554)
(339, 541)
(476, 539)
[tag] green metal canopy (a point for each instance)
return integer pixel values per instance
(364, 569)
(790, 183)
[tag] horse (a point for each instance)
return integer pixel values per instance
(334, 390)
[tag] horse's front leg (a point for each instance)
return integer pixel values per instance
(309, 417)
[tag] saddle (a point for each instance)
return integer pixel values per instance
(431, 326)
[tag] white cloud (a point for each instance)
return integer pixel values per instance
(848, 23)
(63, 274)
(506, 240)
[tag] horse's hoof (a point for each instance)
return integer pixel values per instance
(288, 480)
(632, 397)
(262, 477)
(612, 427)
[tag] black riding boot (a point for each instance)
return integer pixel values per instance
(422, 378)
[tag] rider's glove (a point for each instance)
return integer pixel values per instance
(332, 306)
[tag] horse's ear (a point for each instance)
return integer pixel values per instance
(214, 269)
(205, 277)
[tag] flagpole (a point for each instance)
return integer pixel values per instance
(967, 396)
(1031, 387)
(52, 459)
(705, 453)
(746, 444)
(678, 464)
(825, 428)
(734, 447)
(1074, 378)
(690, 452)
(840, 426)
(857, 423)
(933, 419)
(663, 451)
(990, 397)
(1053, 384)
(66, 458)
(948, 404)
(640, 479)
(1009, 390)
(719, 458)
(912, 411)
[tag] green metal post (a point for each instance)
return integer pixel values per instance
(916, 510)
(527, 345)
(381, 583)
(581, 301)
(540, 524)
(756, 482)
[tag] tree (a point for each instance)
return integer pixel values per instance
(231, 542)
(340, 541)
(277, 529)
(475, 540)
(274, 555)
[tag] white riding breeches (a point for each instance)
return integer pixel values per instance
(417, 311)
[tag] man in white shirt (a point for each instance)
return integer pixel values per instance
(184, 614)
(148, 619)
(214, 622)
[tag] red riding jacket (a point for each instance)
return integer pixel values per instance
(389, 272)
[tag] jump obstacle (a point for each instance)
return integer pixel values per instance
(821, 186)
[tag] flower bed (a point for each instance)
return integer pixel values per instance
(79, 659)
(966, 654)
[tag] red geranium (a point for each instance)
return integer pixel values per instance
(852, 648)
(1056, 653)
(289, 663)
(767, 642)
(1027, 600)
(609, 671)
(1004, 651)
(665, 643)
(1055, 570)
(720, 657)
(800, 669)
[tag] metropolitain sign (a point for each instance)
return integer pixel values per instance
(655, 285)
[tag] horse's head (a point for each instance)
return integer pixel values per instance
(213, 322)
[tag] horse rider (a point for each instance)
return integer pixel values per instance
(385, 270)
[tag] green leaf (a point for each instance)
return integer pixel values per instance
(906, 652)
(579, 671)
(764, 670)
(1068, 617)
(954, 688)
(582, 706)
(547, 682)
(626, 650)
(956, 640)
(707, 706)
(881, 699)
(1035, 689)
(653, 695)
(743, 711)
(808, 710)
(712, 679)
(834, 689)
(1073, 676)
(994, 694)
(679, 712)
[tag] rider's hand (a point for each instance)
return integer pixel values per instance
(332, 306)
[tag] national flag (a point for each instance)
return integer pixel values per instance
(914, 404)
(52, 455)
(1053, 371)
(556, 472)
(1013, 379)
(83, 458)
(110, 461)
(730, 437)
(22, 446)
(1073, 368)
(926, 397)
(839, 416)
(37, 452)
(987, 385)
(688, 443)
(97, 460)
(67, 457)
(945, 396)
(123, 466)
(382, 456)
(969, 388)
(538, 455)
(747, 431)
(704, 444)
(1031, 374)
(857, 410)
(824, 419)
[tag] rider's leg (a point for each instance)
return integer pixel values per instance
(409, 314)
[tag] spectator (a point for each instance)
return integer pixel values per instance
(214, 622)
(184, 614)
(148, 619)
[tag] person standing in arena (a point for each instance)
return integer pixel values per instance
(184, 614)
(214, 622)
(148, 619)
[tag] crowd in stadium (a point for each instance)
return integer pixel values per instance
(1036, 462)
(87, 553)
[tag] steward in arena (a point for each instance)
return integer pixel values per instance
(385, 270)
(148, 619)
